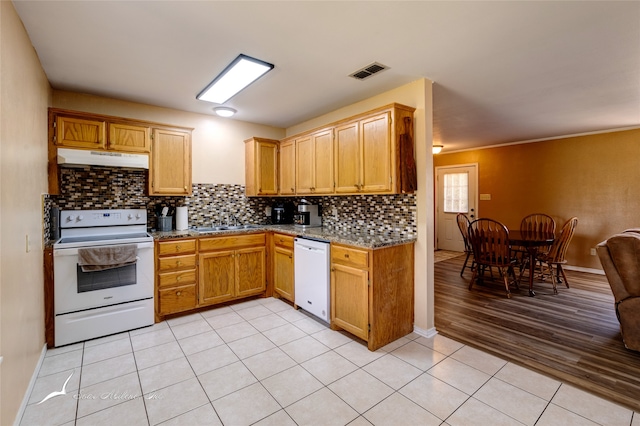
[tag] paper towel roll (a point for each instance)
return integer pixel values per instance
(182, 218)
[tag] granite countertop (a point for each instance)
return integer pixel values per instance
(359, 239)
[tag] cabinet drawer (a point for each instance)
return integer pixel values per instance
(176, 262)
(350, 256)
(177, 299)
(282, 240)
(176, 247)
(231, 242)
(167, 279)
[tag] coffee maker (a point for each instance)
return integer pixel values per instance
(308, 216)
(282, 213)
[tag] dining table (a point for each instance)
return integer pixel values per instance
(531, 241)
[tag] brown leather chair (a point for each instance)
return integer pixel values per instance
(620, 258)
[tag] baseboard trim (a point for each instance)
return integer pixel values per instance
(32, 383)
(425, 333)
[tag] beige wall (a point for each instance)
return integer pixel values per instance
(419, 95)
(593, 177)
(24, 97)
(217, 143)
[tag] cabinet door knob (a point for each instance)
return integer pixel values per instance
(293, 190)
(178, 293)
(177, 247)
(178, 278)
(346, 255)
(178, 263)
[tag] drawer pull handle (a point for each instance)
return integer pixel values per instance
(178, 278)
(178, 293)
(177, 248)
(346, 255)
(178, 263)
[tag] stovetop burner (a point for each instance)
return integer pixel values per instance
(86, 228)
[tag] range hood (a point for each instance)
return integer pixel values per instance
(83, 157)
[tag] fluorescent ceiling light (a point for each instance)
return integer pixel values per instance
(243, 71)
(224, 111)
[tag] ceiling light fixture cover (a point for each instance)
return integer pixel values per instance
(437, 148)
(224, 111)
(240, 73)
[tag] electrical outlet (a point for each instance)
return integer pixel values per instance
(485, 197)
(593, 251)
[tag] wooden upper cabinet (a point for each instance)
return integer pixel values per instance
(77, 132)
(85, 132)
(364, 156)
(347, 158)
(261, 164)
(287, 168)
(314, 160)
(304, 163)
(357, 155)
(170, 169)
(130, 138)
(323, 162)
(377, 171)
(367, 152)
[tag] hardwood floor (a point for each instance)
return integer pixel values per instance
(573, 336)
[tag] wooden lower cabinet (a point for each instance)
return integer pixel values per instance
(197, 272)
(283, 269)
(372, 292)
(231, 267)
(176, 276)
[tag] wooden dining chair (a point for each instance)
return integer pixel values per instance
(556, 254)
(490, 245)
(535, 222)
(463, 225)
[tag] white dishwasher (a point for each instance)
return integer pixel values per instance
(312, 276)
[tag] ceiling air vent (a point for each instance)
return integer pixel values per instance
(368, 71)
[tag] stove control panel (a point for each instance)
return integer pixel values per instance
(93, 218)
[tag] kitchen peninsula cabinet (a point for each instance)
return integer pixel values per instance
(231, 267)
(261, 166)
(283, 267)
(314, 163)
(287, 168)
(170, 168)
(372, 292)
(176, 276)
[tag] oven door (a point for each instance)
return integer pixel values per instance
(75, 290)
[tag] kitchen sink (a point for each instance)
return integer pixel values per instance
(208, 229)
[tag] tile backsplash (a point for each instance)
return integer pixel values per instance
(116, 188)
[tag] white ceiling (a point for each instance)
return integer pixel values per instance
(503, 71)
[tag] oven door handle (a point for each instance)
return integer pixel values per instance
(74, 251)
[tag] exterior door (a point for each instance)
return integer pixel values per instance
(456, 192)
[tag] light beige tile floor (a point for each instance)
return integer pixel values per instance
(261, 362)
